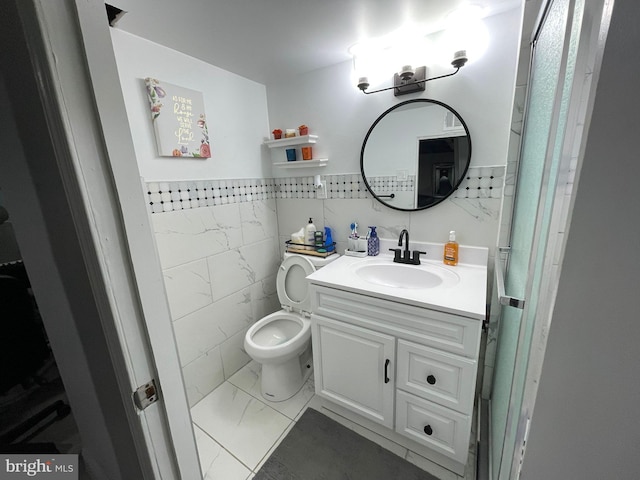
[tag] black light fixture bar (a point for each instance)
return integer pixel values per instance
(416, 82)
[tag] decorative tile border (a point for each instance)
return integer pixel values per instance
(480, 182)
(169, 196)
(390, 184)
(338, 186)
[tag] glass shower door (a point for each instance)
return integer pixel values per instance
(552, 66)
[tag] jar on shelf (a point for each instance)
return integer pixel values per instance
(306, 153)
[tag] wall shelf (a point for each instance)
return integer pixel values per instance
(316, 162)
(286, 142)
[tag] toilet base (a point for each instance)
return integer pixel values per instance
(281, 381)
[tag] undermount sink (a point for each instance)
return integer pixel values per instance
(398, 275)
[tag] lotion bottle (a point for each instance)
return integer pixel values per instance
(451, 250)
(309, 235)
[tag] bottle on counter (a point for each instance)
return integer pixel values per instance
(310, 235)
(328, 239)
(451, 250)
(373, 242)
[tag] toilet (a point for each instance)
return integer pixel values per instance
(280, 342)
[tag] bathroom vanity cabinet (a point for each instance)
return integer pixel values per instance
(405, 367)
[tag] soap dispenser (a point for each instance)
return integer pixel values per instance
(451, 250)
(373, 242)
(310, 235)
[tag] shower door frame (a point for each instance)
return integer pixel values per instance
(595, 22)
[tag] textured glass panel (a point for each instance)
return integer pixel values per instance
(547, 208)
(544, 81)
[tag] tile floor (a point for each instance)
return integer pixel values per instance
(237, 430)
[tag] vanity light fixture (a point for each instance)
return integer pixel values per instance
(409, 80)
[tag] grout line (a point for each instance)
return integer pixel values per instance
(277, 442)
(222, 447)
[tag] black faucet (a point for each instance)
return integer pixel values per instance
(404, 256)
(404, 234)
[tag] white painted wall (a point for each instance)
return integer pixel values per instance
(328, 101)
(236, 111)
(585, 423)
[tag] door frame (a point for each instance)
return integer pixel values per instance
(80, 217)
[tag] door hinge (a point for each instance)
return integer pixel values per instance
(145, 395)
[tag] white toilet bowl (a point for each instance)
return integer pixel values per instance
(281, 341)
(277, 342)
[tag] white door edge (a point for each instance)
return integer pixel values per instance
(112, 223)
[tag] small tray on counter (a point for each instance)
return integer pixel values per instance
(305, 249)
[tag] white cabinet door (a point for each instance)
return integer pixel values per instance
(354, 367)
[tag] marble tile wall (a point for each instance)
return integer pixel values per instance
(219, 264)
(220, 243)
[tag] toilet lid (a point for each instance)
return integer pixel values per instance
(293, 287)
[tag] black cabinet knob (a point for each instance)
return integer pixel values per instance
(428, 430)
(431, 380)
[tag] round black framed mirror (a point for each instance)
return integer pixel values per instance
(415, 154)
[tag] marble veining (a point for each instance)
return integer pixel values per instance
(203, 375)
(187, 235)
(258, 220)
(229, 273)
(481, 210)
(212, 325)
(215, 461)
(234, 357)
(248, 428)
(188, 288)
(248, 379)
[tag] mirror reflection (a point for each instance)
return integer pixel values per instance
(415, 154)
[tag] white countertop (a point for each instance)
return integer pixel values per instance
(468, 297)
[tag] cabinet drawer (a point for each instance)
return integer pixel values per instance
(437, 376)
(433, 426)
(444, 331)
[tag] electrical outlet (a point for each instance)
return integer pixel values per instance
(321, 191)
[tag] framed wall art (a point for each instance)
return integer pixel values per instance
(179, 120)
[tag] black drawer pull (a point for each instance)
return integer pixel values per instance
(428, 430)
(386, 371)
(431, 380)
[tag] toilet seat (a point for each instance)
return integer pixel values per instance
(292, 287)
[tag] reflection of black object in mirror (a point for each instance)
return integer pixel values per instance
(444, 149)
(444, 185)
